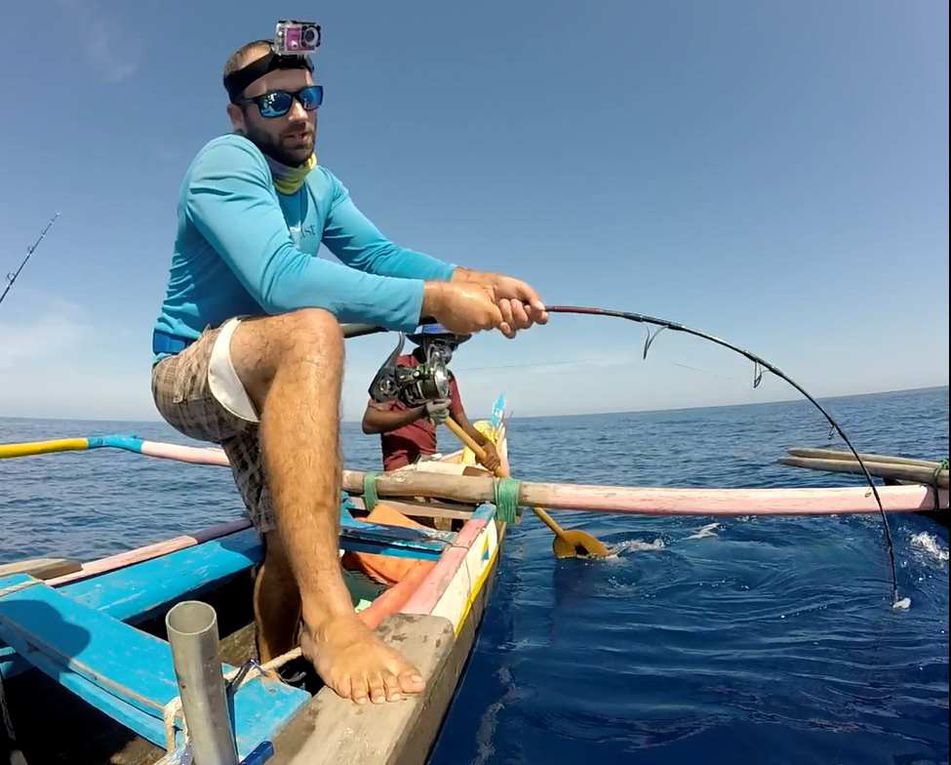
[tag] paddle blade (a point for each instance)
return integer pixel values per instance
(574, 544)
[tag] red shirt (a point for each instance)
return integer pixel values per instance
(405, 445)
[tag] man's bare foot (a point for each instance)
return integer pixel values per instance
(357, 664)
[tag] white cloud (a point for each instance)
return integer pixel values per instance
(43, 339)
(109, 47)
(57, 363)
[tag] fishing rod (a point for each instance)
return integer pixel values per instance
(11, 278)
(759, 365)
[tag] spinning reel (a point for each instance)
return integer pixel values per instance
(414, 386)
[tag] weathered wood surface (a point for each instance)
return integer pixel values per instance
(658, 501)
(897, 471)
(426, 509)
(149, 552)
(837, 454)
(335, 730)
(42, 568)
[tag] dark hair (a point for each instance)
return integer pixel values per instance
(240, 58)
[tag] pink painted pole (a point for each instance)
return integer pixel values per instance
(727, 502)
(197, 455)
(148, 552)
(660, 501)
(619, 499)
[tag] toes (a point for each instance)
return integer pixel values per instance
(392, 685)
(411, 681)
(377, 692)
(358, 666)
(342, 687)
(358, 689)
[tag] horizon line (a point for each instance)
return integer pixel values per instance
(573, 414)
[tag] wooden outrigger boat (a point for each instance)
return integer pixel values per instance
(85, 654)
(87, 677)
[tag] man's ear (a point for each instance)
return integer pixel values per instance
(236, 115)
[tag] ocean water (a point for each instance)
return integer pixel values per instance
(741, 640)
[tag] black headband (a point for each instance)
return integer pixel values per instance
(236, 82)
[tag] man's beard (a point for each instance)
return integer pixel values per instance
(293, 155)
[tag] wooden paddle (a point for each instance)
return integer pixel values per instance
(568, 543)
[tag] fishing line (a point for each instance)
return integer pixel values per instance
(656, 325)
(582, 362)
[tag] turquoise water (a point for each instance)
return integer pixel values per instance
(755, 640)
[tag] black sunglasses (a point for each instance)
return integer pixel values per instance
(277, 103)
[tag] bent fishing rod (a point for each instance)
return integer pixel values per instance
(12, 277)
(759, 366)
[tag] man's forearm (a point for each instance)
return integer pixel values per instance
(382, 421)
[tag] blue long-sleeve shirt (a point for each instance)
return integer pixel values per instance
(242, 248)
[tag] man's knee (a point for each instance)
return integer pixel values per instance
(308, 334)
(261, 346)
(313, 332)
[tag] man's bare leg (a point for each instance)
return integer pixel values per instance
(276, 601)
(291, 366)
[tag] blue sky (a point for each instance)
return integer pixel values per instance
(773, 173)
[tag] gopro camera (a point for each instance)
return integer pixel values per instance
(296, 38)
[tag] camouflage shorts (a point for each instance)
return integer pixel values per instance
(184, 398)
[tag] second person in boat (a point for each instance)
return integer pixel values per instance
(408, 429)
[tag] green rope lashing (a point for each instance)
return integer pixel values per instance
(506, 492)
(943, 465)
(370, 497)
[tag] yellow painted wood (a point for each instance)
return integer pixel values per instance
(31, 448)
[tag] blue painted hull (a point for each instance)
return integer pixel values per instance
(98, 641)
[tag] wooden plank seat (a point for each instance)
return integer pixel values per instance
(126, 673)
(144, 589)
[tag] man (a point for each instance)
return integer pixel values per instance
(249, 352)
(408, 433)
